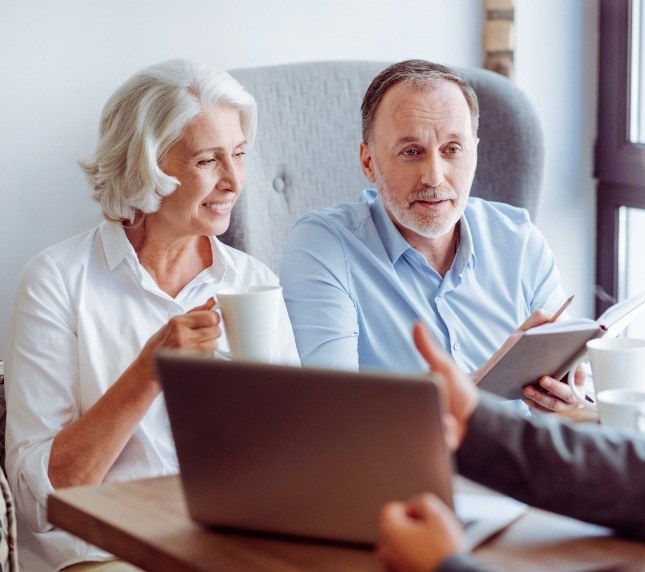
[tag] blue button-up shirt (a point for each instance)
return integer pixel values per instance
(354, 286)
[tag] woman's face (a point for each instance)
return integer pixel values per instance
(208, 161)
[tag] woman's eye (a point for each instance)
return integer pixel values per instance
(240, 153)
(206, 161)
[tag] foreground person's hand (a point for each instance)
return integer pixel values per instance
(417, 535)
(459, 393)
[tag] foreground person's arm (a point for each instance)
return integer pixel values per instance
(580, 471)
(583, 471)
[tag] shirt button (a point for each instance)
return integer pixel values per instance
(456, 346)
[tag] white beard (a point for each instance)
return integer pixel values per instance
(427, 225)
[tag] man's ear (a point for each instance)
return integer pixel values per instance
(366, 162)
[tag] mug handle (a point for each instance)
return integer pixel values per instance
(223, 353)
(574, 388)
(640, 422)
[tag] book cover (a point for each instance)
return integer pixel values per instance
(550, 349)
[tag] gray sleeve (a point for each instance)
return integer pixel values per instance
(462, 563)
(582, 471)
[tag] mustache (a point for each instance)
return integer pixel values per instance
(433, 194)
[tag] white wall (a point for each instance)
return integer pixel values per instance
(556, 66)
(60, 60)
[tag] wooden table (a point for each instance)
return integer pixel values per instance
(145, 522)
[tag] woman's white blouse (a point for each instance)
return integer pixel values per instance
(84, 308)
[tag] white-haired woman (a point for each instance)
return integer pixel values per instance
(84, 404)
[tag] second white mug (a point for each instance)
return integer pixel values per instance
(616, 363)
(622, 409)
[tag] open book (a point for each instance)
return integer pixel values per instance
(550, 349)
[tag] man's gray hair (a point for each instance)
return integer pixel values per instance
(142, 119)
(420, 73)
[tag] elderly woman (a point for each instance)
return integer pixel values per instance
(84, 405)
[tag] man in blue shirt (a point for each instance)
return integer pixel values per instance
(356, 276)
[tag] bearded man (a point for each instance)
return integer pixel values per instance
(356, 276)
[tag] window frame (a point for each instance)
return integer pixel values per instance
(620, 163)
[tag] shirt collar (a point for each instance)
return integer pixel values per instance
(466, 251)
(394, 243)
(115, 243)
(117, 248)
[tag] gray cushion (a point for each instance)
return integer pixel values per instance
(306, 152)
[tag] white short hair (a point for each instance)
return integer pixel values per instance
(143, 119)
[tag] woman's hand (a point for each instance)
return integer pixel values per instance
(83, 451)
(193, 333)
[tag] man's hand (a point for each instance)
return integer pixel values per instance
(554, 395)
(418, 535)
(537, 318)
(459, 393)
(551, 395)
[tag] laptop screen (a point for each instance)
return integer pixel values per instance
(301, 451)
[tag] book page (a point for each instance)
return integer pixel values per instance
(569, 325)
(620, 315)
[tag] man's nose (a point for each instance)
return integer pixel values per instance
(433, 171)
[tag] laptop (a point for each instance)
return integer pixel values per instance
(308, 452)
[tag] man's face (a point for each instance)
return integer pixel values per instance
(422, 157)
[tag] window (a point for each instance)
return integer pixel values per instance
(637, 72)
(620, 154)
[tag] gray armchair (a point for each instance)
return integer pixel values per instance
(306, 153)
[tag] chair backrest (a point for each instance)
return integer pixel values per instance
(306, 152)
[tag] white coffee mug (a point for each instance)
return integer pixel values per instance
(622, 409)
(616, 363)
(250, 316)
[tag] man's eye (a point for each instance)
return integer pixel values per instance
(206, 161)
(410, 152)
(453, 149)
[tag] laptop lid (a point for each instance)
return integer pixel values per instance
(301, 451)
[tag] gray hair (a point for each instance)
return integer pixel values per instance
(142, 119)
(421, 74)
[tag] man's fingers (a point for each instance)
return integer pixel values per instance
(580, 377)
(558, 389)
(537, 318)
(546, 400)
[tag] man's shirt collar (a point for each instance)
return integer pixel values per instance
(394, 243)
